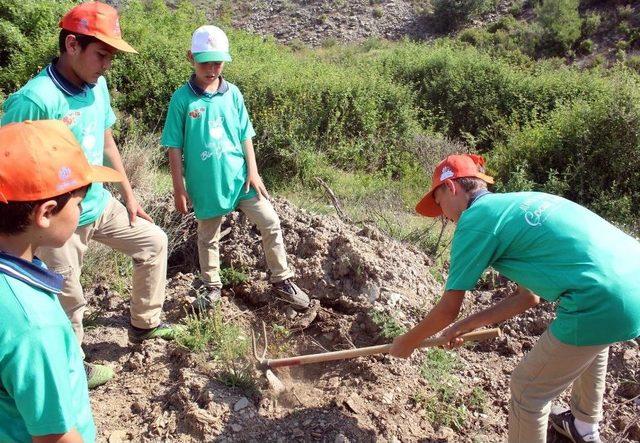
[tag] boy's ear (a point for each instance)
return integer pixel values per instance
(71, 44)
(451, 186)
(190, 56)
(43, 214)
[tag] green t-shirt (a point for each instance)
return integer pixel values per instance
(43, 385)
(210, 130)
(562, 252)
(86, 111)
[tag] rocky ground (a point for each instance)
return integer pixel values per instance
(164, 392)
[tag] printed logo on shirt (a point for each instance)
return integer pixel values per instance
(89, 142)
(216, 131)
(196, 113)
(71, 118)
(537, 209)
(446, 173)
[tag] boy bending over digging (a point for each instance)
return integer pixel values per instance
(44, 176)
(554, 249)
(208, 134)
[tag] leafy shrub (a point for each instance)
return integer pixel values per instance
(586, 46)
(560, 22)
(589, 151)
(591, 23)
(450, 14)
(625, 12)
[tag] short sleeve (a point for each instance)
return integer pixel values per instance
(173, 130)
(18, 108)
(472, 252)
(36, 375)
(245, 127)
(109, 114)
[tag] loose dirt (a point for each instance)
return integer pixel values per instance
(163, 392)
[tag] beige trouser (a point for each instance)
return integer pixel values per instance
(260, 212)
(145, 243)
(547, 370)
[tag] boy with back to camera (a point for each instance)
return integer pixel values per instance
(44, 176)
(554, 249)
(208, 133)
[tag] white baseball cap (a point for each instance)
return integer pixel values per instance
(210, 44)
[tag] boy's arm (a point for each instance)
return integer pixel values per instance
(441, 316)
(113, 157)
(70, 437)
(253, 178)
(501, 311)
(180, 196)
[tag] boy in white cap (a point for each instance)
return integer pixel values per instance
(72, 89)
(208, 134)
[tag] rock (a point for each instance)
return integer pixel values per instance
(341, 438)
(118, 436)
(387, 398)
(291, 313)
(241, 404)
(236, 428)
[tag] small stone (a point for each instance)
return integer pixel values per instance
(387, 398)
(117, 436)
(291, 313)
(236, 428)
(241, 404)
(341, 438)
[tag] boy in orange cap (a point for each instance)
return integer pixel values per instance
(72, 89)
(554, 249)
(44, 176)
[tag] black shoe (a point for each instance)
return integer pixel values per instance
(292, 294)
(564, 424)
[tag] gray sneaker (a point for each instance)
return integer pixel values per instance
(291, 293)
(207, 299)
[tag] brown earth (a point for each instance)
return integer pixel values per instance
(163, 392)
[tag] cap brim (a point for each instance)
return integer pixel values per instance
(427, 206)
(211, 56)
(117, 43)
(104, 174)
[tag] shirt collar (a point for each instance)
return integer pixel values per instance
(197, 90)
(33, 273)
(62, 83)
(476, 196)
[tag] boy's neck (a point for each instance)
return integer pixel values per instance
(20, 245)
(208, 86)
(63, 65)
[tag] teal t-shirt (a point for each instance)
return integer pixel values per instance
(43, 385)
(86, 111)
(562, 252)
(210, 130)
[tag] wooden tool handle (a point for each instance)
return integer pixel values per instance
(484, 334)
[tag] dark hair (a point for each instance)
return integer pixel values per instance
(471, 184)
(15, 217)
(83, 40)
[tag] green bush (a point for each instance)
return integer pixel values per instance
(28, 38)
(451, 14)
(586, 46)
(560, 22)
(591, 23)
(587, 151)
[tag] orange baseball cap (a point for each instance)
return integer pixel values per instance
(98, 20)
(42, 159)
(452, 167)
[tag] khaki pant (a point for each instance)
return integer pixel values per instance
(145, 243)
(258, 211)
(547, 370)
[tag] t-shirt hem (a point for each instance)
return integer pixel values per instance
(59, 427)
(608, 341)
(98, 213)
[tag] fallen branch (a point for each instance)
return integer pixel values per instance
(334, 200)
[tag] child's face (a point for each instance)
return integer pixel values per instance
(452, 200)
(59, 227)
(93, 61)
(207, 73)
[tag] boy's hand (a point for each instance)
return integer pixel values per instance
(402, 347)
(135, 210)
(254, 179)
(181, 199)
(453, 332)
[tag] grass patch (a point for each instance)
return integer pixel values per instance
(445, 403)
(105, 265)
(389, 326)
(224, 342)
